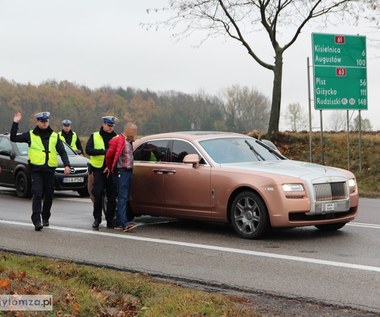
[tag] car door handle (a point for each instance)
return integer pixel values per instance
(163, 171)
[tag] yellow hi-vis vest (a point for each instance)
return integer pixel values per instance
(73, 140)
(37, 153)
(98, 160)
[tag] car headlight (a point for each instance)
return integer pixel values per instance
(293, 187)
(294, 190)
(352, 185)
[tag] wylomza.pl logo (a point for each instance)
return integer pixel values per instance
(26, 302)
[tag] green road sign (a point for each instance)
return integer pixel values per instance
(340, 72)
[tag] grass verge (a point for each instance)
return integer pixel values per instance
(80, 290)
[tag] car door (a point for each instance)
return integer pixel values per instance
(6, 162)
(187, 188)
(147, 194)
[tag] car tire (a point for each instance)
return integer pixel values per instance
(83, 192)
(23, 185)
(331, 226)
(249, 216)
(130, 215)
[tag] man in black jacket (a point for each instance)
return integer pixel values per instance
(96, 148)
(44, 145)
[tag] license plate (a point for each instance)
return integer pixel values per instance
(329, 207)
(73, 180)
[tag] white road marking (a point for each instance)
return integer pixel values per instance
(213, 247)
(364, 225)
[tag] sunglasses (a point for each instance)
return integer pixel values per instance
(66, 125)
(43, 120)
(110, 125)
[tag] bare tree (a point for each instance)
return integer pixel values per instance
(245, 20)
(295, 117)
(338, 120)
(364, 126)
(246, 109)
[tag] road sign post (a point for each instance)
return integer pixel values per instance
(340, 72)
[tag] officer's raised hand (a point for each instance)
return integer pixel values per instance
(17, 117)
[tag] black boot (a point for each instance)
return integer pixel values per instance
(38, 226)
(96, 224)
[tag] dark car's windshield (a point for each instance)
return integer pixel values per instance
(237, 150)
(23, 149)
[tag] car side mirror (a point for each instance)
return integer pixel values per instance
(7, 153)
(191, 159)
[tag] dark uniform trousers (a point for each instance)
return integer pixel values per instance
(103, 183)
(42, 189)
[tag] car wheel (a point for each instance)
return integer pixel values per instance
(331, 226)
(23, 185)
(249, 216)
(104, 204)
(130, 215)
(83, 192)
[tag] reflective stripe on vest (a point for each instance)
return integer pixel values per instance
(37, 153)
(98, 160)
(73, 140)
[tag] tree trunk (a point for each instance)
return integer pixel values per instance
(276, 95)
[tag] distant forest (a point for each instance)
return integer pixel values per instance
(153, 112)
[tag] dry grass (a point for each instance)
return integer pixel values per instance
(80, 290)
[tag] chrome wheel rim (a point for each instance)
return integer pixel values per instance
(247, 215)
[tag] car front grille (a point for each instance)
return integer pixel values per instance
(74, 170)
(304, 216)
(330, 191)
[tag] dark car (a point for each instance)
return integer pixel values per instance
(15, 171)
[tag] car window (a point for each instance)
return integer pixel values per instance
(267, 150)
(236, 150)
(152, 151)
(22, 148)
(5, 145)
(181, 149)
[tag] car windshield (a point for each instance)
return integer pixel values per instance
(23, 149)
(237, 150)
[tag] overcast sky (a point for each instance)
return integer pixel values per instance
(101, 42)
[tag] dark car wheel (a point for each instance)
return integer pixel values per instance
(130, 215)
(331, 226)
(249, 215)
(23, 185)
(83, 192)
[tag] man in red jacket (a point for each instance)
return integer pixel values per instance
(119, 163)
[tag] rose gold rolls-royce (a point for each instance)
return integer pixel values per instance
(233, 178)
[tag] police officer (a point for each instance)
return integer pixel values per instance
(96, 148)
(70, 137)
(44, 145)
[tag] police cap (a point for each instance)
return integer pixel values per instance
(42, 116)
(66, 122)
(110, 120)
